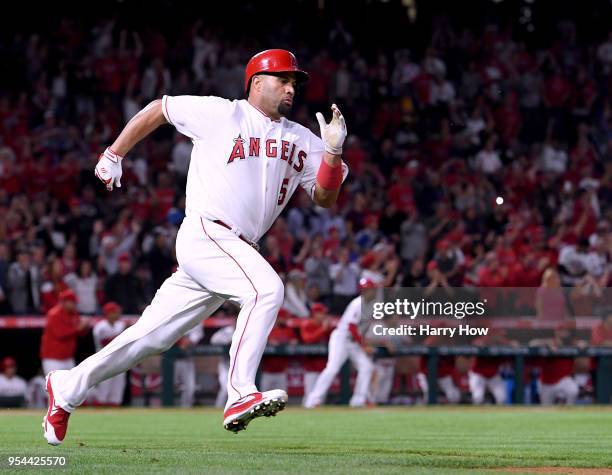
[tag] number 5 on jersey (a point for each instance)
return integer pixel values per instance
(282, 194)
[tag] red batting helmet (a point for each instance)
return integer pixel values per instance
(365, 283)
(273, 61)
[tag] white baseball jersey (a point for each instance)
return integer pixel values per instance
(12, 387)
(104, 332)
(236, 144)
(351, 315)
(353, 312)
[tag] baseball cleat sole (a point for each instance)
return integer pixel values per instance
(266, 408)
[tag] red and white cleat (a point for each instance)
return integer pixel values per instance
(247, 408)
(55, 422)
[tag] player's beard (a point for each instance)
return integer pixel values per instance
(284, 109)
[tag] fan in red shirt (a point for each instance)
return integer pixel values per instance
(314, 330)
(400, 193)
(274, 368)
(62, 329)
(484, 375)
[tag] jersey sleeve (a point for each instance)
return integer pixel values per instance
(195, 116)
(350, 319)
(352, 313)
(312, 164)
(354, 330)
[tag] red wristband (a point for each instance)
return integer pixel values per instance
(328, 177)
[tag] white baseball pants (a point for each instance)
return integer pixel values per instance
(448, 388)
(566, 388)
(340, 348)
(384, 371)
(185, 378)
(111, 390)
(424, 385)
(479, 385)
(310, 379)
(214, 265)
(50, 364)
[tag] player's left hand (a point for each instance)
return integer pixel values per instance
(108, 169)
(334, 133)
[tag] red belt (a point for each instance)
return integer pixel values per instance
(221, 223)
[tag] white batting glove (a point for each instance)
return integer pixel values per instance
(108, 170)
(334, 133)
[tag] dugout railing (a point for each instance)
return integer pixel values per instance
(602, 355)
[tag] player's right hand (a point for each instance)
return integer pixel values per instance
(108, 170)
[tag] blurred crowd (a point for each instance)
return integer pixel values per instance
(437, 142)
(480, 161)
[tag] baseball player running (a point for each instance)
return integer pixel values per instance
(346, 341)
(246, 162)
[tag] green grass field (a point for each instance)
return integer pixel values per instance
(329, 440)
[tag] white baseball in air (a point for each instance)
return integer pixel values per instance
(499, 200)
